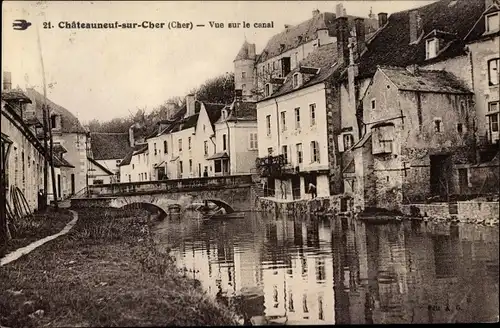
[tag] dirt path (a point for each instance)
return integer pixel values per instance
(27, 249)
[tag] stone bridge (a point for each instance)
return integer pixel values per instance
(234, 193)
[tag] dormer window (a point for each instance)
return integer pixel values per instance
(431, 47)
(268, 89)
(492, 22)
(224, 114)
(296, 80)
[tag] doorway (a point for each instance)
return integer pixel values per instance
(296, 187)
(270, 187)
(72, 183)
(440, 178)
(463, 181)
(58, 186)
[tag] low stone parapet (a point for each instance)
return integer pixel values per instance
(320, 206)
(466, 211)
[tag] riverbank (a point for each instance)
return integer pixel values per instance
(35, 227)
(105, 272)
(477, 211)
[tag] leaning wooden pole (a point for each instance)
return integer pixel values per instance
(52, 170)
(49, 155)
(46, 156)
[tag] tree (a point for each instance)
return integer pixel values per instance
(217, 90)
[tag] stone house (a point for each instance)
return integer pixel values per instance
(107, 152)
(134, 167)
(236, 139)
(68, 132)
(300, 114)
(285, 50)
(180, 147)
(22, 154)
(418, 127)
(292, 122)
(430, 37)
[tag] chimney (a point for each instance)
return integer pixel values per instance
(171, 107)
(190, 105)
(382, 19)
(342, 40)
(315, 12)
(416, 26)
(413, 69)
(7, 81)
(131, 139)
(339, 10)
(359, 25)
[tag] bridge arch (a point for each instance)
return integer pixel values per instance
(151, 208)
(228, 208)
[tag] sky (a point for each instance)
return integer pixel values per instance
(107, 73)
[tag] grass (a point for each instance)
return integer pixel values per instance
(35, 227)
(105, 272)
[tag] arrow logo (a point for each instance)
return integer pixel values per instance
(20, 24)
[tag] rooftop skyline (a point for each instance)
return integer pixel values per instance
(109, 73)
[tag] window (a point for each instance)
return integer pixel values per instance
(268, 124)
(180, 145)
(270, 151)
(297, 118)
(348, 141)
(145, 176)
(492, 22)
(190, 166)
(53, 122)
(253, 141)
(224, 142)
(283, 121)
(243, 75)
(493, 71)
(154, 146)
(373, 104)
(493, 123)
(314, 151)
(493, 106)
(312, 113)
(437, 125)
(460, 128)
(180, 167)
(133, 166)
(205, 147)
(382, 139)
(204, 127)
(284, 150)
(165, 147)
(299, 153)
(243, 86)
(268, 90)
(274, 65)
(431, 48)
(295, 81)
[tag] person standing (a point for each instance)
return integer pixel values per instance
(312, 190)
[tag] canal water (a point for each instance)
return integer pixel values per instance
(341, 270)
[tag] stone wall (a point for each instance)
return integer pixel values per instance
(319, 205)
(471, 211)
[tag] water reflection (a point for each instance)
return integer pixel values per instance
(341, 270)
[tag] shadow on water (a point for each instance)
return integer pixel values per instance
(340, 270)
